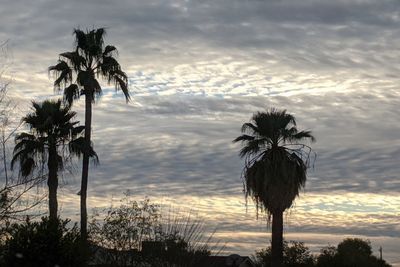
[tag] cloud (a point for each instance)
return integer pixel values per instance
(335, 42)
(187, 138)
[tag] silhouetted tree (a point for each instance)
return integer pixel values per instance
(76, 73)
(295, 254)
(351, 252)
(275, 167)
(356, 252)
(51, 128)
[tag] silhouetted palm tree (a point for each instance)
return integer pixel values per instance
(77, 72)
(275, 167)
(51, 129)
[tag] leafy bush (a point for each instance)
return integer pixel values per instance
(117, 233)
(46, 243)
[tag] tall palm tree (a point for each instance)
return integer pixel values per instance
(51, 130)
(76, 73)
(275, 167)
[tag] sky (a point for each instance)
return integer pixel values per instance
(198, 70)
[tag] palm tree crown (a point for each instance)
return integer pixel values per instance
(77, 71)
(50, 126)
(275, 162)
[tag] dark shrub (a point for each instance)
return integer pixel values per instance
(46, 243)
(295, 254)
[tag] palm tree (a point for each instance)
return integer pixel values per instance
(51, 129)
(275, 167)
(76, 73)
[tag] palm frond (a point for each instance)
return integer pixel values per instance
(95, 42)
(62, 72)
(80, 39)
(78, 130)
(71, 93)
(123, 85)
(24, 136)
(27, 166)
(60, 66)
(75, 60)
(286, 135)
(79, 146)
(97, 87)
(243, 138)
(109, 65)
(27, 148)
(99, 36)
(252, 148)
(108, 50)
(303, 135)
(249, 127)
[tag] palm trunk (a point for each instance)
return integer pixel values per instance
(277, 239)
(85, 164)
(52, 182)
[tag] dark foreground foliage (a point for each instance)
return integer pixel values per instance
(46, 243)
(135, 234)
(132, 234)
(295, 254)
(351, 252)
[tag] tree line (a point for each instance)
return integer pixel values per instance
(351, 252)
